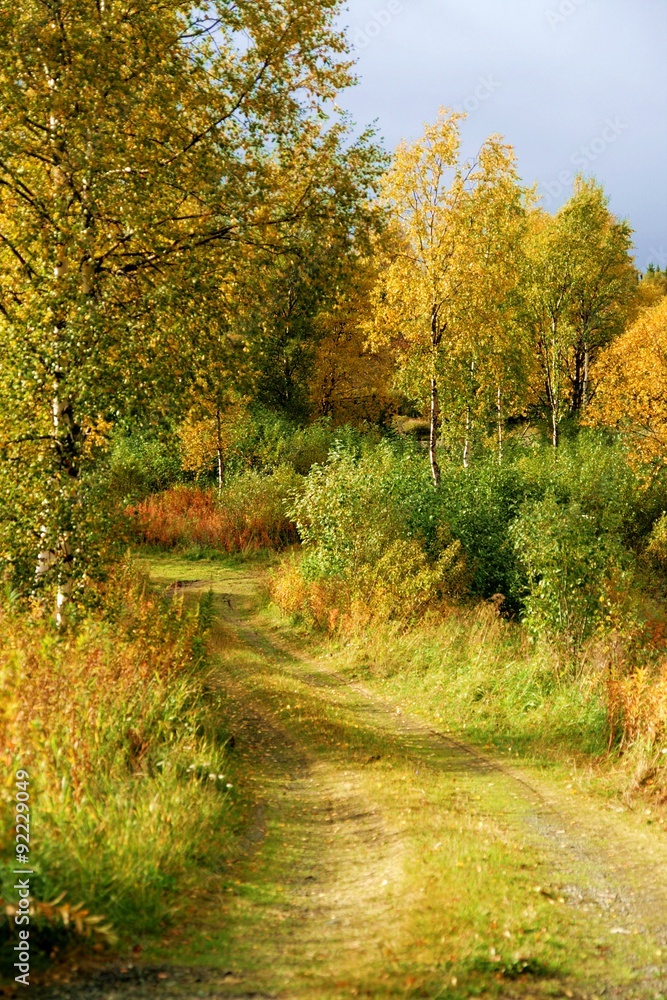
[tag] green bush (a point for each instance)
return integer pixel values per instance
(369, 520)
(272, 440)
(354, 507)
(594, 472)
(569, 565)
(479, 504)
(139, 466)
(555, 534)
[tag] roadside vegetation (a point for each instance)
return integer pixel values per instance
(121, 732)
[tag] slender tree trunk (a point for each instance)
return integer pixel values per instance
(221, 457)
(433, 439)
(466, 442)
(554, 427)
(554, 387)
(578, 379)
(436, 338)
(65, 582)
(57, 552)
(499, 411)
(587, 366)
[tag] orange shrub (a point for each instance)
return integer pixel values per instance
(247, 515)
(638, 706)
(318, 604)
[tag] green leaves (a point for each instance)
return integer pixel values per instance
(142, 150)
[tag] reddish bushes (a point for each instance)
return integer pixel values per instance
(247, 515)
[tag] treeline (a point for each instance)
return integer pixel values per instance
(206, 276)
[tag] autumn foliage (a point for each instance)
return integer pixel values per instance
(637, 704)
(246, 516)
(633, 385)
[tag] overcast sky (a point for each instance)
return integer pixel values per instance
(571, 84)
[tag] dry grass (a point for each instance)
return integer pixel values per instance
(119, 728)
(246, 516)
(401, 586)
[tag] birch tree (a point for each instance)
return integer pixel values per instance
(135, 138)
(604, 283)
(549, 277)
(580, 287)
(446, 268)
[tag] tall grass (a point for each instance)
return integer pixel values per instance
(119, 728)
(488, 678)
(484, 676)
(247, 515)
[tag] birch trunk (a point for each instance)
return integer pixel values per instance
(436, 338)
(468, 433)
(221, 460)
(433, 440)
(466, 442)
(499, 410)
(554, 388)
(587, 365)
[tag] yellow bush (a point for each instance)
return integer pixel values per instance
(402, 585)
(638, 706)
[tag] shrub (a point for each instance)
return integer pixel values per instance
(656, 548)
(569, 565)
(479, 504)
(248, 514)
(595, 472)
(554, 534)
(351, 509)
(638, 706)
(272, 440)
(140, 466)
(119, 728)
(374, 549)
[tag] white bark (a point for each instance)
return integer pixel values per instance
(499, 407)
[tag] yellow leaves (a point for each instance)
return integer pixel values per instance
(449, 263)
(208, 428)
(350, 378)
(637, 705)
(632, 395)
(415, 185)
(96, 434)
(198, 444)
(78, 917)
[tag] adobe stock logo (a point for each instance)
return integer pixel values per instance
(582, 159)
(486, 88)
(558, 15)
(381, 19)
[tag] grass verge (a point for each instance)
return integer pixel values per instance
(132, 788)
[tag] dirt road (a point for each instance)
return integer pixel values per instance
(381, 858)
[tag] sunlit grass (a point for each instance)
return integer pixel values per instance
(132, 788)
(471, 903)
